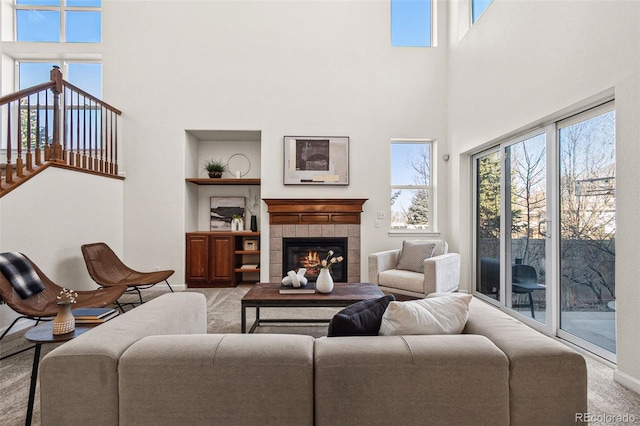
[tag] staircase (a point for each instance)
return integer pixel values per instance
(56, 124)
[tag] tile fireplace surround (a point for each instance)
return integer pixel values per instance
(311, 218)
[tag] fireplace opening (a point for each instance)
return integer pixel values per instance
(308, 253)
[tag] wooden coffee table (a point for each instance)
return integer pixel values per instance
(266, 295)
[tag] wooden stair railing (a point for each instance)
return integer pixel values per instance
(56, 124)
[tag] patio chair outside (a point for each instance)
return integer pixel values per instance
(525, 281)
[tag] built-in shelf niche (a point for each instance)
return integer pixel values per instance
(202, 145)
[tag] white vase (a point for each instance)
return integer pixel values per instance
(324, 282)
(237, 225)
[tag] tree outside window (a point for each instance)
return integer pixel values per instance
(411, 185)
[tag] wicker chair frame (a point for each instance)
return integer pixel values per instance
(44, 305)
(107, 270)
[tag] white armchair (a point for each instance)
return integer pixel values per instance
(441, 270)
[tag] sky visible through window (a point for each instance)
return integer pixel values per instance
(404, 155)
(73, 3)
(87, 76)
(38, 23)
(477, 8)
(43, 25)
(401, 171)
(411, 23)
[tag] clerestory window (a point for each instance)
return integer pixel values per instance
(64, 22)
(59, 21)
(477, 8)
(411, 23)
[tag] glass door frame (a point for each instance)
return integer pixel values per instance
(553, 312)
(505, 302)
(474, 235)
(584, 115)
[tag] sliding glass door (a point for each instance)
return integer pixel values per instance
(587, 168)
(488, 228)
(544, 219)
(511, 208)
(525, 218)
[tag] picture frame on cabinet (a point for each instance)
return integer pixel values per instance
(222, 211)
(316, 160)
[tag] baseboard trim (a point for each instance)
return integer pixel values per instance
(627, 381)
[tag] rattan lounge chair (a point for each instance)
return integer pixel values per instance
(44, 305)
(107, 270)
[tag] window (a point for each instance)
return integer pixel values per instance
(411, 23)
(87, 76)
(412, 197)
(32, 73)
(477, 8)
(545, 227)
(59, 21)
(587, 229)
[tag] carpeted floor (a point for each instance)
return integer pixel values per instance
(605, 396)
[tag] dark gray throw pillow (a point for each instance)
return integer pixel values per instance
(360, 319)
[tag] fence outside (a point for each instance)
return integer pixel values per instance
(587, 279)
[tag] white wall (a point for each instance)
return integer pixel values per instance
(318, 68)
(520, 64)
(44, 220)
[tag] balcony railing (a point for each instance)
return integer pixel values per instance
(56, 123)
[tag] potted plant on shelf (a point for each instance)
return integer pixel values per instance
(215, 168)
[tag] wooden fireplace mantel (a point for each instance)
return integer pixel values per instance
(311, 211)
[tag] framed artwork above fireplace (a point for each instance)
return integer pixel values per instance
(316, 160)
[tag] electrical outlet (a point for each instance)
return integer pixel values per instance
(157, 268)
(381, 215)
(376, 224)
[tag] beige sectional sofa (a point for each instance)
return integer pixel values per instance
(156, 365)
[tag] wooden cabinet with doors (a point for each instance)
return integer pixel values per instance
(215, 259)
(197, 265)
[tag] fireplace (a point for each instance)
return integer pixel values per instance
(309, 252)
(313, 219)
